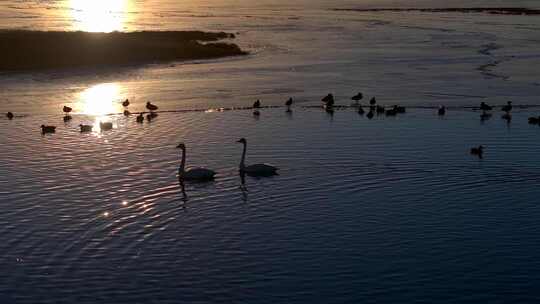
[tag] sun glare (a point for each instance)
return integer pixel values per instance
(100, 99)
(99, 15)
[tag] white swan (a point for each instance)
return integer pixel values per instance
(256, 169)
(193, 174)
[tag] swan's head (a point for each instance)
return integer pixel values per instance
(242, 141)
(181, 146)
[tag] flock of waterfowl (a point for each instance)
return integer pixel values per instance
(264, 169)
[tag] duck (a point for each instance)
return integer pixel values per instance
(47, 129)
(442, 111)
(477, 150)
(125, 103)
(86, 128)
(10, 115)
(67, 109)
(370, 114)
(255, 169)
(328, 100)
(67, 118)
(257, 104)
(193, 174)
(508, 107)
(534, 120)
(373, 101)
(105, 126)
(391, 112)
(361, 110)
(140, 118)
(357, 97)
(485, 107)
(288, 104)
(399, 109)
(127, 113)
(151, 107)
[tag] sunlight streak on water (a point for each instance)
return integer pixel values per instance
(98, 15)
(100, 99)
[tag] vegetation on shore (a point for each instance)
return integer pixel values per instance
(34, 50)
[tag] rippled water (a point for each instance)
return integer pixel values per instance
(387, 210)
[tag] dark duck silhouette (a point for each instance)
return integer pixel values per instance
(10, 115)
(288, 104)
(399, 109)
(140, 118)
(442, 111)
(534, 120)
(151, 107)
(86, 128)
(127, 113)
(47, 129)
(125, 103)
(357, 97)
(508, 107)
(485, 107)
(257, 104)
(105, 126)
(328, 100)
(67, 109)
(373, 101)
(478, 151)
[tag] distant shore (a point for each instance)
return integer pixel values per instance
(483, 10)
(37, 50)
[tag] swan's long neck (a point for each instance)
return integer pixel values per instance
(183, 163)
(242, 165)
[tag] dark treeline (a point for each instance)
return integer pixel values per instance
(27, 50)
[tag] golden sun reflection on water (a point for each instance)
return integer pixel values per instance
(99, 15)
(100, 100)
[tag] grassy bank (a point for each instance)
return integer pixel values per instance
(34, 50)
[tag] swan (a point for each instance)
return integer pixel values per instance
(442, 110)
(85, 128)
(151, 107)
(10, 115)
(48, 129)
(67, 109)
(193, 174)
(125, 103)
(255, 169)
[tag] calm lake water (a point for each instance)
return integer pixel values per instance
(389, 210)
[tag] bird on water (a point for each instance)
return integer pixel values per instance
(67, 109)
(47, 129)
(193, 174)
(442, 111)
(125, 103)
(10, 115)
(255, 169)
(257, 104)
(357, 97)
(151, 107)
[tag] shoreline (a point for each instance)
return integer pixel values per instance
(24, 50)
